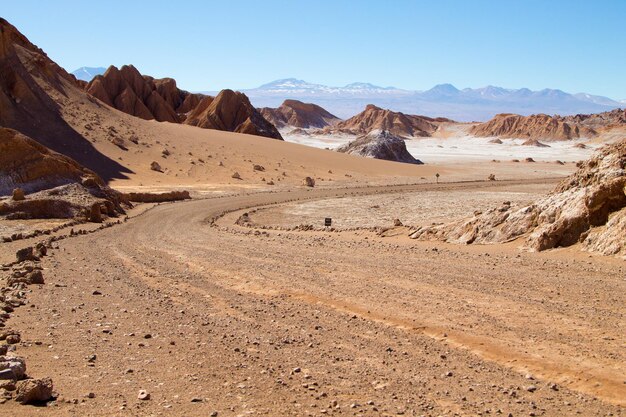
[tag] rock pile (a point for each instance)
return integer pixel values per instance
(14, 382)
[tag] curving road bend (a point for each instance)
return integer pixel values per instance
(215, 318)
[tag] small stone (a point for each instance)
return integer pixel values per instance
(96, 292)
(196, 400)
(531, 388)
(18, 194)
(296, 370)
(13, 339)
(236, 176)
(143, 395)
(90, 395)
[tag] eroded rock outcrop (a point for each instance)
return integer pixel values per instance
(54, 185)
(374, 118)
(380, 145)
(536, 126)
(29, 166)
(588, 207)
(297, 114)
(231, 111)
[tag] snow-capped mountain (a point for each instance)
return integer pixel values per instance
(88, 73)
(443, 100)
(292, 86)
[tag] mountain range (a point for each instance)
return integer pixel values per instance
(443, 100)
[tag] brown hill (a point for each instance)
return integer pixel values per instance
(599, 121)
(297, 114)
(125, 89)
(140, 95)
(231, 111)
(32, 92)
(537, 126)
(375, 118)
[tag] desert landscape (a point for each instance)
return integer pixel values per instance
(177, 253)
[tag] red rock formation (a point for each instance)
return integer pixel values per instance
(375, 118)
(160, 99)
(127, 90)
(297, 114)
(537, 126)
(231, 111)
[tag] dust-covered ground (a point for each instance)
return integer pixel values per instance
(211, 318)
(412, 209)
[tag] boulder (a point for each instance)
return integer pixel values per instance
(33, 391)
(15, 364)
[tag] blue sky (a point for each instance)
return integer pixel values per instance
(572, 45)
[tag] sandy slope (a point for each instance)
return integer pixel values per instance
(301, 323)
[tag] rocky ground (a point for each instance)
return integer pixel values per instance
(171, 313)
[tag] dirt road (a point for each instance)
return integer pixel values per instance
(224, 320)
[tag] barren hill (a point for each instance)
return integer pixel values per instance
(380, 145)
(537, 126)
(33, 90)
(375, 118)
(160, 99)
(231, 111)
(297, 114)
(127, 90)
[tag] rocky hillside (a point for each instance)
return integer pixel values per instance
(587, 207)
(297, 114)
(380, 145)
(231, 111)
(376, 119)
(600, 121)
(160, 99)
(127, 90)
(45, 184)
(31, 89)
(537, 126)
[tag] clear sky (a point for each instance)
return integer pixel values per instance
(577, 46)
